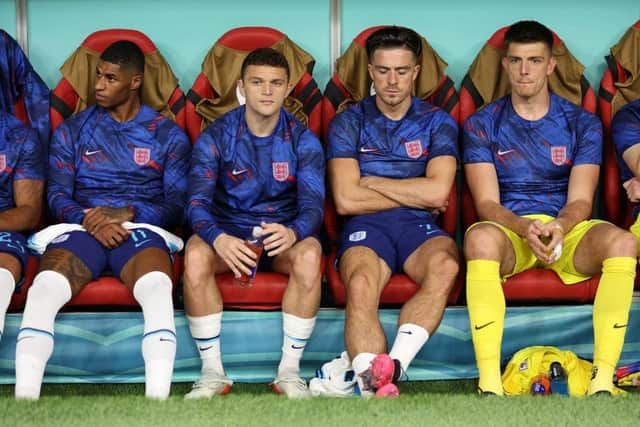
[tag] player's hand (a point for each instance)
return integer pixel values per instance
(280, 238)
(534, 237)
(543, 239)
(111, 235)
(632, 187)
(442, 209)
(235, 254)
(97, 217)
(553, 234)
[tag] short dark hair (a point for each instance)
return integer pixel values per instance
(394, 37)
(126, 54)
(264, 56)
(528, 32)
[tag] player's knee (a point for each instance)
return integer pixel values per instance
(445, 266)
(306, 265)
(49, 288)
(198, 263)
(624, 243)
(481, 242)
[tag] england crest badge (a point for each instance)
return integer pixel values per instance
(141, 156)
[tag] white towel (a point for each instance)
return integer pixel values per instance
(39, 241)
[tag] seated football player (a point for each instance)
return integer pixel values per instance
(114, 163)
(391, 164)
(626, 139)
(532, 161)
(22, 184)
(256, 166)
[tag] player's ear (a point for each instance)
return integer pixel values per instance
(241, 88)
(136, 81)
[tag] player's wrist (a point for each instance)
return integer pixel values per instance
(293, 233)
(131, 212)
(557, 225)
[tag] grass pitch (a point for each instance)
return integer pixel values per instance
(433, 403)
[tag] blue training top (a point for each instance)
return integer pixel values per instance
(239, 179)
(533, 158)
(96, 161)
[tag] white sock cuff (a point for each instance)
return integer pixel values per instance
(362, 361)
(205, 326)
(417, 331)
(153, 293)
(55, 284)
(7, 286)
(151, 283)
(6, 278)
(298, 327)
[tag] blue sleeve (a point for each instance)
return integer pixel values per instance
(61, 177)
(625, 128)
(343, 136)
(35, 92)
(31, 164)
(310, 176)
(444, 136)
(475, 143)
(203, 177)
(589, 140)
(171, 211)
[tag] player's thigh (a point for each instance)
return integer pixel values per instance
(135, 257)
(438, 256)
(596, 241)
(200, 258)
(76, 255)
(361, 266)
(13, 253)
(488, 240)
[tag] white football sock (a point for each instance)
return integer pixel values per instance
(297, 331)
(205, 330)
(409, 340)
(7, 286)
(153, 293)
(34, 346)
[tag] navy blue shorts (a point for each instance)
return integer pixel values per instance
(14, 243)
(392, 234)
(99, 258)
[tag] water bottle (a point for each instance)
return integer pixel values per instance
(558, 379)
(253, 242)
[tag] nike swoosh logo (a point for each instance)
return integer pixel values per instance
(24, 338)
(432, 231)
(167, 340)
(616, 326)
(205, 348)
(296, 347)
(478, 327)
(406, 332)
(138, 244)
(238, 172)
(91, 153)
(502, 153)
(368, 150)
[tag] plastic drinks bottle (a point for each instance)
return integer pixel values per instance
(558, 379)
(253, 242)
